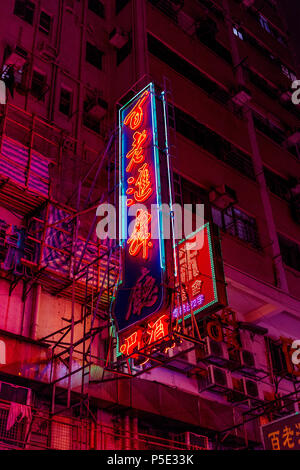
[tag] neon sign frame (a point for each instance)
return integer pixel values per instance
(138, 140)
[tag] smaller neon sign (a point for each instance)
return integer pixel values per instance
(202, 291)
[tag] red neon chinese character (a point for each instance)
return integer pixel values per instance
(130, 343)
(144, 184)
(135, 117)
(136, 153)
(158, 329)
(140, 237)
(189, 269)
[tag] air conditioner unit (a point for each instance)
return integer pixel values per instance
(295, 187)
(177, 4)
(70, 5)
(118, 38)
(215, 380)
(96, 106)
(186, 22)
(15, 393)
(222, 196)
(252, 389)
(248, 3)
(293, 139)
(215, 352)
(46, 51)
(241, 96)
(246, 363)
(183, 357)
(16, 58)
(287, 406)
(237, 394)
(286, 95)
(192, 440)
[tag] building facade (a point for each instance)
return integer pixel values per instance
(227, 69)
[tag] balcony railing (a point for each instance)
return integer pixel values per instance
(23, 427)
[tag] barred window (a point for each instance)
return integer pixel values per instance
(238, 224)
(25, 10)
(290, 252)
(94, 55)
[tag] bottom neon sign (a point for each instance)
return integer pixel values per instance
(202, 290)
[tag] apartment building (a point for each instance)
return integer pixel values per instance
(227, 68)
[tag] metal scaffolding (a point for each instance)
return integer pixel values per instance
(82, 270)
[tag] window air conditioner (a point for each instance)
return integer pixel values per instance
(286, 95)
(118, 38)
(215, 380)
(15, 393)
(222, 196)
(214, 352)
(177, 4)
(293, 139)
(16, 58)
(183, 357)
(248, 3)
(251, 389)
(193, 441)
(241, 96)
(46, 51)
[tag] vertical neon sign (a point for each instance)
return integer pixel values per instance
(141, 291)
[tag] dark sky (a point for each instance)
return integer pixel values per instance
(292, 12)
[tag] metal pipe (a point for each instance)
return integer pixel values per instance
(140, 38)
(35, 312)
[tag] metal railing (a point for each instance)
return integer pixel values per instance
(39, 431)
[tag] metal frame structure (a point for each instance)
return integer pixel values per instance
(93, 283)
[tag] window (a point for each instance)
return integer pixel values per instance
(187, 70)
(120, 4)
(45, 22)
(288, 73)
(213, 143)
(264, 23)
(269, 129)
(238, 224)
(65, 101)
(277, 184)
(25, 10)
(278, 361)
(290, 252)
(262, 84)
(124, 52)
(167, 7)
(97, 7)
(206, 33)
(90, 121)
(38, 85)
(94, 55)
(238, 32)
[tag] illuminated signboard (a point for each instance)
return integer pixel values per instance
(282, 434)
(141, 291)
(197, 275)
(203, 290)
